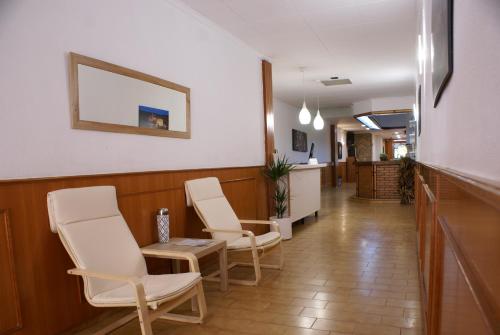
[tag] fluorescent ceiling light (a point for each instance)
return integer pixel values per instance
(368, 122)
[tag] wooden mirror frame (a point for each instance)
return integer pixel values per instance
(77, 123)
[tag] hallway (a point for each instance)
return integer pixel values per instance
(354, 271)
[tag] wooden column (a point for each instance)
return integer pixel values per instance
(267, 79)
(389, 151)
(334, 152)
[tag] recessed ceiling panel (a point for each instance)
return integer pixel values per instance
(391, 121)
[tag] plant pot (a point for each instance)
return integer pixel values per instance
(285, 225)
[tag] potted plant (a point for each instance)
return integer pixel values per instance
(276, 172)
(406, 180)
(383, 157)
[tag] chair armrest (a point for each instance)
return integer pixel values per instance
(258, 222)
(237, 231)
(193, 261)
(248, 233)
(135, 282)
(102, 275)
(271, 223)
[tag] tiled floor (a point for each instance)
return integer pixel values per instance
(353, 271)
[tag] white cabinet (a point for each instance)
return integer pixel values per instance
(304, 184)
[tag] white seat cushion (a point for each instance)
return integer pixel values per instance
(260, 240)
(156, 287)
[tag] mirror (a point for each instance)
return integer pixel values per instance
(109, 97)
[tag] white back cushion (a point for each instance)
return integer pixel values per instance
(202, 189)
(211, 204)
(95, 234)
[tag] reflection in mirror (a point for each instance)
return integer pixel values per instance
(112, 98)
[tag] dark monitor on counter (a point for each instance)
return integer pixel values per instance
(312, 151)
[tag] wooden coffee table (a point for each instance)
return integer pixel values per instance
(172, 250)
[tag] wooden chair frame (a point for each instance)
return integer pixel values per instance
(257, 251)
(148, 311)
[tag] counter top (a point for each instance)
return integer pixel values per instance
(308, 166)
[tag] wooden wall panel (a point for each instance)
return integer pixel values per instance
(351, 169)
(327, 176)
(463, 279)
(364, 185)
(10, 319)
(342, 171)
(50, 299)
(428, 226)
(459, 312)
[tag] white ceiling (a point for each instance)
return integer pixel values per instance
(372, 42)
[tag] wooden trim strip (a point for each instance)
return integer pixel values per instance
(181, 188)
(483, 300)
(486, 190)
(121, 174)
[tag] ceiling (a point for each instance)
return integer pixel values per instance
(371, 42)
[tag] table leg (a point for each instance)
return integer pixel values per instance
(223, 269)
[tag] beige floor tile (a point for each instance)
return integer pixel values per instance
(364, 329)
(333, 325)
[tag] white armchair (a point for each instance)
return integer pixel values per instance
(209, 202)
(111, 263)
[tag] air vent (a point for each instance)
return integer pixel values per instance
(336, 82)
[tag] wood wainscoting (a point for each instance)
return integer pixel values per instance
(327, 175)
(458, 229)
(342, 171)
(50, 300)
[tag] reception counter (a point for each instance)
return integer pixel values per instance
(377, 180)
(304, 183)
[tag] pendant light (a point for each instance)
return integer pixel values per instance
(304, 114)
(318, 123)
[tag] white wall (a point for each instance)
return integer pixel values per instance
(286, 118)
(158, 37)
(382, 104)
(360, 107)
(389, 103)
(462, 133)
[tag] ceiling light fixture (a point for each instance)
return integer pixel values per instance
(318, 123)
(365, 120)
(304, 114)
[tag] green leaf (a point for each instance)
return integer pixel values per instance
(276, 171)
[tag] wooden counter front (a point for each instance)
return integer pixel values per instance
(377, 180)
